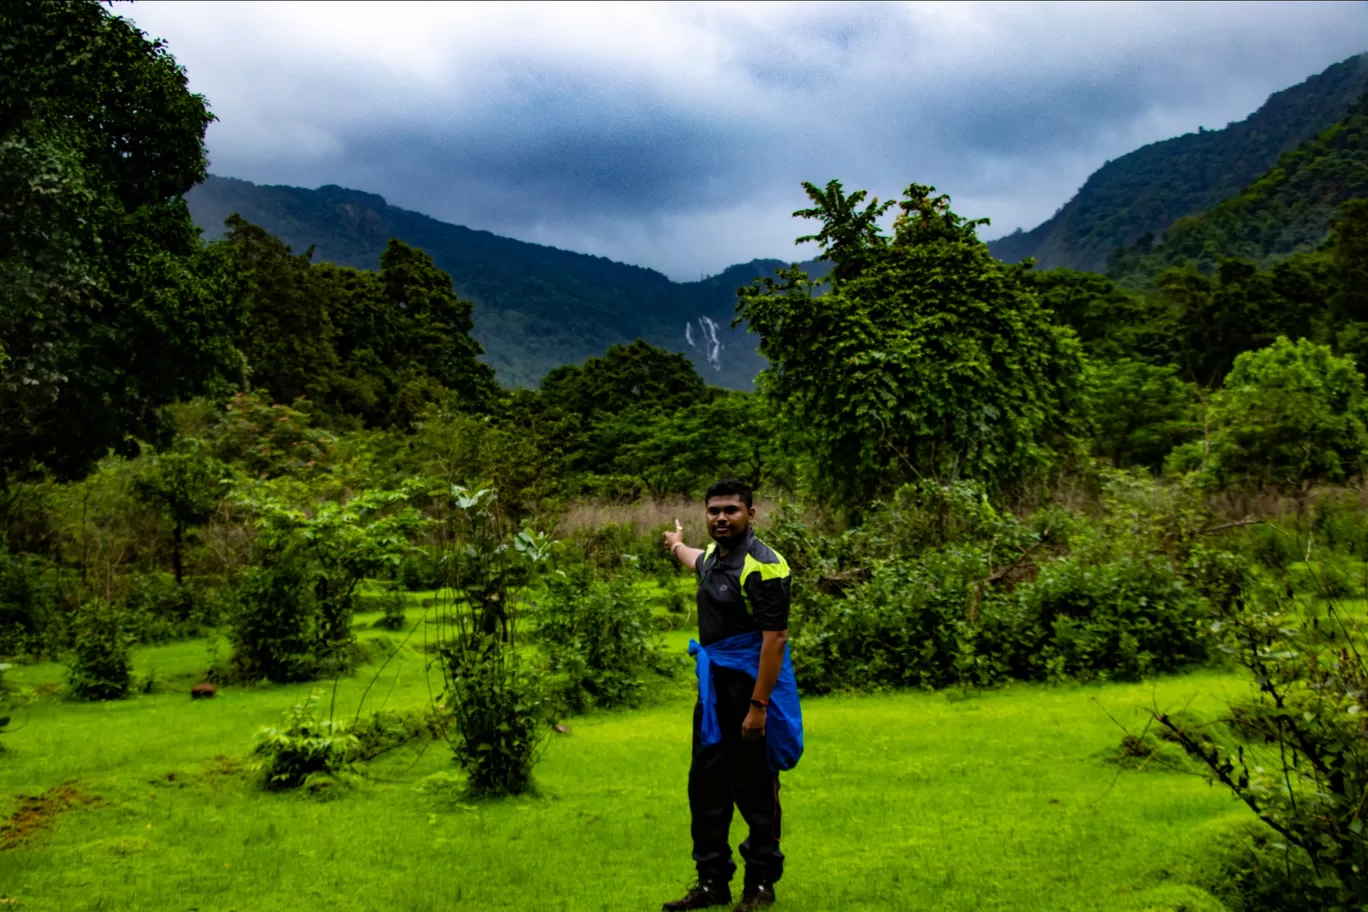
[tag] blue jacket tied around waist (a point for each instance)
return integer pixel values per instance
(784, 721)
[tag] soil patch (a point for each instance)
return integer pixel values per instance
(38, 812)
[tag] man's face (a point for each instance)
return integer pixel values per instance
(728, 518)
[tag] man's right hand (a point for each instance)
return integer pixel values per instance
(675, 538)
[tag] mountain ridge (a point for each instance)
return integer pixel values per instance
(536, 306)
(1150, 188)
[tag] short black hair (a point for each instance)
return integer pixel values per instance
(728, 487)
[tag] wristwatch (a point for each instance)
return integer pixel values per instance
(763, 704)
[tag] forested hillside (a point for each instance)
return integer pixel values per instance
(1149, 189)
(1287, 210)
(536, 307)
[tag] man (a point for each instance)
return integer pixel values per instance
(747, 725)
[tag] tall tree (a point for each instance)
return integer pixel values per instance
(110, 308)
(934, 361)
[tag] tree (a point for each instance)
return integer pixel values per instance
(110, 308)
(623, 377)
(1289, 415)
(184, 482)
(850, 236)
(935, 361)
(1140, 411)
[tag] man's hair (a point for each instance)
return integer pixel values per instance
(729, 487)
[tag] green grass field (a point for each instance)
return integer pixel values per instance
(914, 801)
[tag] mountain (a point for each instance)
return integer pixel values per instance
(536, 307)
(1286, 210)
(1146, 191)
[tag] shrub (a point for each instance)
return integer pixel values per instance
(32, 594)
(500, 711)
(305, 749)
(912, 624)
(160, 609)
(420, 570)
(1302, 764)
(599, 636)
(499, 708)
(275, 628)
(1122, 619)
(1289, 415)
(101, 663)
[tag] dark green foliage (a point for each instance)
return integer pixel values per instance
(1286, 210)
(275, 627)
(500, 711)
(110, 307)
(1147, 190)
(536, 308)
(186, 483)
(161, 609)
(1301, 765)
(373, 346)
(598, 635)
(420, 570)
(1127, 617)
(499, 706)
(1140, 412)
(306, 750)
(33, 594)
(101, 666)
(623, 378)
(324, 547)
(935, 360)
(1289, 415)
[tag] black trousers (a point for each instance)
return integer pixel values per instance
(736, 774)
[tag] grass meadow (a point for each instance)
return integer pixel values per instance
(907, 801)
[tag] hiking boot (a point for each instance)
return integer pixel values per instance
(756, 896)
(704, 895)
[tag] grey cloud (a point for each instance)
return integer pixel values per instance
(696, 171)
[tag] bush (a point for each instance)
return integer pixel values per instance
(101, 663)
(599, 636)
(500, 711)
(911, 624)
(499, 707)
(276, 627)
(33, 593)
(1127, 618)
(1302, 763)
(161, 610)
(305, 749)
(420, 570)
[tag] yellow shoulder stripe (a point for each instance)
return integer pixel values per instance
(766, 571)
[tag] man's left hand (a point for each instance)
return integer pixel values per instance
(753, 728)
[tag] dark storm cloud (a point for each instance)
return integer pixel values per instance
(676, 136)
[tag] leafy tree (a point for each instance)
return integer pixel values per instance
(935, 361)
(288, 333)
(369, 347)
(850, 236)
(625, 376)
(728, 434)
(1140, 412)
(1289, 415)
(110, 307)
(184, 482)
(326, 545)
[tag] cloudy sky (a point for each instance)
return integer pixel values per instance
(676, 136)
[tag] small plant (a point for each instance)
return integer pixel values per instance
(305, 750)
(101, 664)
(499, 710)
(599, 635)
(1301, 761)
